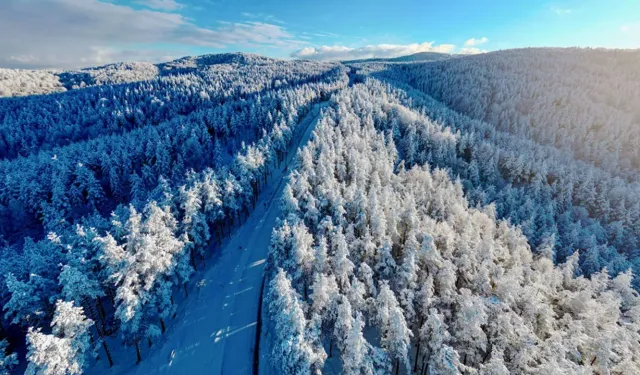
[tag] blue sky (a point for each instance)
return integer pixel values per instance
(73, 33)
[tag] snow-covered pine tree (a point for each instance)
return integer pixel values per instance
(294, 352)
(66, 350)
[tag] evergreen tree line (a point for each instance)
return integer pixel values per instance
(377, 269)
(583, 101)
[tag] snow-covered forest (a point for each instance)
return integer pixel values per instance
(577, 194)
(386, 267)
(21, 82)
(113, 196)
(450, 214)
(582, 101)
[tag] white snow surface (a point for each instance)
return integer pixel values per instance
(215, 329)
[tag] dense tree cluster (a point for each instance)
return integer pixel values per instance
(66, 349)
(32, 124)
(19, 82)
(48, 188)
(583, 101)
(377, 268)
(560, 202)
(128, 217)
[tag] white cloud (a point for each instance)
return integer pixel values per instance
(475, 42)
(471, 51)
(561, 11)
(76, 33)
(168, 5)
(323, 35)
(631, 28)
(367, 52)
(262, 16)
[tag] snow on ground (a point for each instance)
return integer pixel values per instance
(215, 330)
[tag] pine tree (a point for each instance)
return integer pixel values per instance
(342, 265)
(302, 253)
(194, 223)
(50, 355)
(295, 353)
(142, 267)
(86, 187)
(396, 336)
(77, 286)
(357, 353)
(70, 322)
(8, 361)
(25, 305)
(470, 317)
(65, 351)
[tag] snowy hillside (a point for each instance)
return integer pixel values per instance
(386, 268)
(113, 196)
(234, 213)
(20, 82)
(547, 135)
(580, 100)
(421, 56)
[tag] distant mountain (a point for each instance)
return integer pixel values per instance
(21, 82)
(204, 61)
(421, 56)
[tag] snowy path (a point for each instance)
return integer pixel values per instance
(215, 331)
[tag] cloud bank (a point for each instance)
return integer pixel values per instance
(471, 51)
(78, 33)
(340, 53)
(326, 53)
(68, 34)
(475, 42)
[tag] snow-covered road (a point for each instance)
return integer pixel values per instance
(215, 330)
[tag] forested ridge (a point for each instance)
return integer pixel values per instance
(455, 215)
(385, 267)
(583, 101)
(35, 123)
(572, 195)
(116, 220)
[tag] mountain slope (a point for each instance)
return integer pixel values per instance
(383, 266)
(111, 197)
(529, 144)
(20, 82)
(420, 56)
